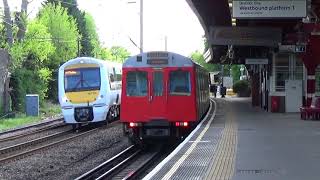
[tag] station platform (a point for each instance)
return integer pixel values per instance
(236, 141)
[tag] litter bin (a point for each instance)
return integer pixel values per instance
(32, 105)
(275, 103)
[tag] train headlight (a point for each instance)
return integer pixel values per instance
(65, 99)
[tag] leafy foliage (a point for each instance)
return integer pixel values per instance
(64, 33)
(235, 72)
(242, 88)
(198, 58)
(21, 79)
(41, 45)
(91, 44)
(119, 54)
(85, 25)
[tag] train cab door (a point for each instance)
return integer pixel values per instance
(137, 95)
(157, 96)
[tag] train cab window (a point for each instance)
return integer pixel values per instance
(158, 83)
(137, 83)
(179, 83)
(82, 79)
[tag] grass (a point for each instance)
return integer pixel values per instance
(48, 109)
(16, 122)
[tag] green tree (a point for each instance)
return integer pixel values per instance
(64, 35)
(28, 64)
(235, 72)
(83, 22)
(92, 38)
(198, 58)
(119, 54)
(63, 30)
(105, 54)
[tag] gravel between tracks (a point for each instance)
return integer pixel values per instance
(69, 160)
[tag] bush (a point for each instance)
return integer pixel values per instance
(24, 81)
(242, 88)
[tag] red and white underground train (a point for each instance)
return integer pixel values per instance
(164, 95)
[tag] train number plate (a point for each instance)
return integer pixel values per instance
(157, 132)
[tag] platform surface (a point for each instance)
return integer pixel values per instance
(236, 141)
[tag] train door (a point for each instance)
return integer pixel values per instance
(137, 96)
(157, 97)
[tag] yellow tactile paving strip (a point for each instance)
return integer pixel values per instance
(223, 164)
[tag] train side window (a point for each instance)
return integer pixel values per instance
(179, 83)
(158, 83)
(137, 83)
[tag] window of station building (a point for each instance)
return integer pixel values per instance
(137, 83)
(281, 71)
(287, 67)
(158, 83)
(298, 69)
(179, 82)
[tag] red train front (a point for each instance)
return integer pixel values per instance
(164, 95)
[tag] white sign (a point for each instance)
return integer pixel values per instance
(227, 82)
(257, 61)
(269, 8)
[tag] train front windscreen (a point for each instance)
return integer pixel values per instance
(82, 79)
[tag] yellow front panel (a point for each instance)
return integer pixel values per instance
(82, 96)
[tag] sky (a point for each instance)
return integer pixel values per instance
(119, 20)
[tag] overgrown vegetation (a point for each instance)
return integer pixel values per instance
(233, 70)
(21, 120)
(242, 88)
(37, 48)
(47, 110)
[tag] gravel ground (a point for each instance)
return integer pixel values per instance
(69, 160)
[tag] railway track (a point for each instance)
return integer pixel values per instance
(30, 147)
(5, 135)
(128, 164)
(32, 132)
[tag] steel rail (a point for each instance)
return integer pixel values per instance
(31, 126)
(29, 152)
(143, 167)
(32, 132)
(111, 165)
(32, 142)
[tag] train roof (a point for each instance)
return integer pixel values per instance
(158, 59)
(90, 60)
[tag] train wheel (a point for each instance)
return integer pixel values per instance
(76, 127)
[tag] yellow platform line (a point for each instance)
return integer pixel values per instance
(223, 164)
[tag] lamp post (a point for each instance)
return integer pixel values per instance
(141, 26)
(165, 43)
(141, 23)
